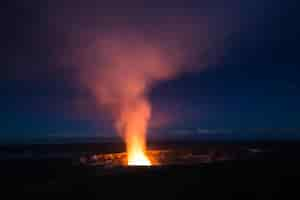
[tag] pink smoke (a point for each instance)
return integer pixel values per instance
(120, 68)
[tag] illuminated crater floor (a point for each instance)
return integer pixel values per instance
(157, 158)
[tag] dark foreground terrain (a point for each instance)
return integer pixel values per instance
(269, 171)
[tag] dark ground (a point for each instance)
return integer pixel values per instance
(271, 174)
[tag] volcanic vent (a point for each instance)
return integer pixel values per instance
(157, 158)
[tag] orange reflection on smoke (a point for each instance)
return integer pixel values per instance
(133, 123)
(136, 152)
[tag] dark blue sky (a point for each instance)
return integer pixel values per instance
(255, 85)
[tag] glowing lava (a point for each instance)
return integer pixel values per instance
(138, 158)
(132, 122)
(136, 151)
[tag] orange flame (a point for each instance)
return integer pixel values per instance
(133, 124)
(136, 155)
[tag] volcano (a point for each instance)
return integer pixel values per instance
(156, 157)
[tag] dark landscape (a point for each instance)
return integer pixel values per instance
(260, 170)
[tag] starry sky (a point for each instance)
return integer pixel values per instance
(254, 83)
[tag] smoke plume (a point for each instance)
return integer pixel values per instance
(120, 67)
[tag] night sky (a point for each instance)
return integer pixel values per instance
(254, 83)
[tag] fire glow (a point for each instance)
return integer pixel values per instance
(133, 124)
(138, 158)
